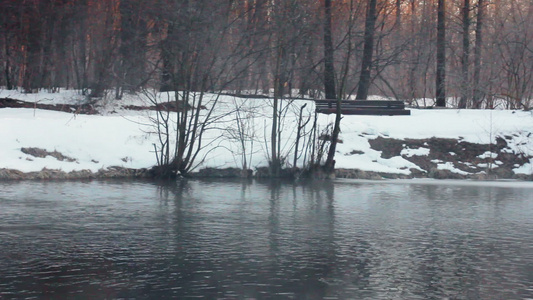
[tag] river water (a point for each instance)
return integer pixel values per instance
(266, 240)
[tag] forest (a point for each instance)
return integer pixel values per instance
(478, 53)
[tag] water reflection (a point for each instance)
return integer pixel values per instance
(265, 240)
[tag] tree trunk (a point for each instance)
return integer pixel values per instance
(441, 55)
(132, 50)
(7, 65)
(398, 21)
(329, 167)
(81, 65)
(329, 69)
(465, 55)
(32, 64)
(368, 49)
(275, 161)
(167, 81)
(478, 93)
(49, 19)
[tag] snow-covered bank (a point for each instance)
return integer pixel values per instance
(430, 143)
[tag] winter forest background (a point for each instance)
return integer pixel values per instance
(313, 48)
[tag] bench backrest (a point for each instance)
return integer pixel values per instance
(363, 103)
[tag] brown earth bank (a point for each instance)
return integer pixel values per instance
(127, 173)
(85, 109)
(49, 174)
(470, 159)
(88, 109)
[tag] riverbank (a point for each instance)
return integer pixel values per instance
(39, 143)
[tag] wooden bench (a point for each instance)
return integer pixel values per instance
(363, 107)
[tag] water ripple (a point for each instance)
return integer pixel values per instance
(234, 240)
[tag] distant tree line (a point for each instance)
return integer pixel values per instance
(475, 51)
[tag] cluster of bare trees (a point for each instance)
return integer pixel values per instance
(475, 51)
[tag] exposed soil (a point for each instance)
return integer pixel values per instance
(85, 109)
(165, 106)
(42, 153)
(474, 161)
(89, 109)
(48, 174)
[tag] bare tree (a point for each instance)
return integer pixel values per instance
(478, 48)
(329, 69)
(8, 23)
(465, 58)
(33, 46)
(129, 68)
(366, 66)
(441, 55)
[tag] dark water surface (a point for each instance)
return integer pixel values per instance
(235, 240)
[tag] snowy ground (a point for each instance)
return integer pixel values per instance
(126, 138)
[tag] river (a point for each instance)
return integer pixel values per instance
(266, 240)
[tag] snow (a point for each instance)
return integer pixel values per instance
(94, 141)
(412, 152)
(126, 138)
(488, 154)
(450, 167)
(44, 97)
(485, 165)
(526, 169)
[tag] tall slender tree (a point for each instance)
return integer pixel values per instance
(368, 50)
(33, 45)
(330, 88)
(441, 55)
(465, 58)
(8, 25)
(478, 93)
(329, 69)
(133, 47)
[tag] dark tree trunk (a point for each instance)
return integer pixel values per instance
(49, 28)
(7, 65)
(80, 64)
(478, 93)
(33, 49)
(329, 166)
(465, 59)
(275, 161)
(398, 22)
(132, 48)
(167, 72)
(441, 55)
(368, 49)
(329, 69)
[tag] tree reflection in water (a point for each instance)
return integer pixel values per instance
(234, 239)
